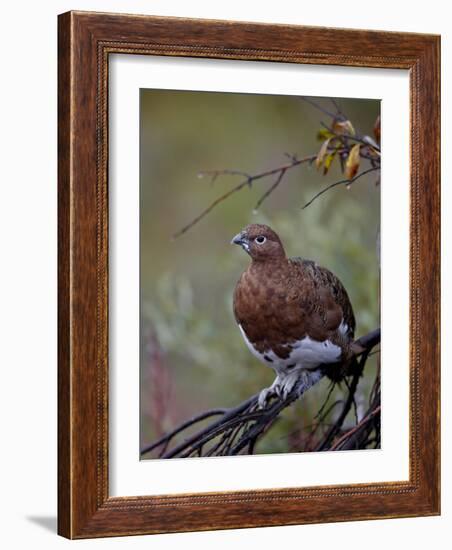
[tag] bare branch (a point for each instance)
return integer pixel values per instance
(341, 182)
(279, 171)
(356, 138)
(338, 109)
(248, 181)
(184, 426)
(238, 429)
(335, 428)
(204, 213)
(226, 172)
(325, 403)
(270, 189)
(319, 107)
(342, 440)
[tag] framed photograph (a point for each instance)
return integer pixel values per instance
(248, 275)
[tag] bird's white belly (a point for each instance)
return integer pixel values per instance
(306, 354)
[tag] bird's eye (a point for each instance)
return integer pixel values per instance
(260, 240)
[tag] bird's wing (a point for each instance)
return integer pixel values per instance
(328, 302)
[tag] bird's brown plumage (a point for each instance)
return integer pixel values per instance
(280, 301)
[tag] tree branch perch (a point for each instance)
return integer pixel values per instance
(238, 429)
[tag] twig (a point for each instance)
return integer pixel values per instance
(230, 414)
(333, 431)
(341, 182)
(355, 406)
(270, 190)
(248, 181)
(240, 427)
(320, 411)
(279, 171)
(183, 426)
(226, 172)
(318, 107)
(356, 138)
(355, 429)
(212, 205)
(338, 109)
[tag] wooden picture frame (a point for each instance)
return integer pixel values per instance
(85, 42)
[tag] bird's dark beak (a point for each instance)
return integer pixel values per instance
(242, 240)
(239, 239)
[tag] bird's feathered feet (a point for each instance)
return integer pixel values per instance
(283, 385)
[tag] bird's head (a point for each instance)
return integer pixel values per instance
(260, 242)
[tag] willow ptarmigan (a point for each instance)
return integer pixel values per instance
(293, 314)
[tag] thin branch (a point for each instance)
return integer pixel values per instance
(248, 181)
(356, 138)
(318, 107)
(183, 426)
(212, 433)
(204, 213)
(270, 190)
(281, 170)
(226, 172)
(239, 428)
(338, 109)
(322, 408)
(335, 428)
(230, 414)
(341, 182)
(343, 439)
(355, 406)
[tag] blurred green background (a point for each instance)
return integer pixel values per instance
(192, 355)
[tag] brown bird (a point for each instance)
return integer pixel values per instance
(293, 314)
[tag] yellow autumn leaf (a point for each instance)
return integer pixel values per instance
(323, 133)
(321, 154)
(329, 159)
(352, 163)
(344, 127)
